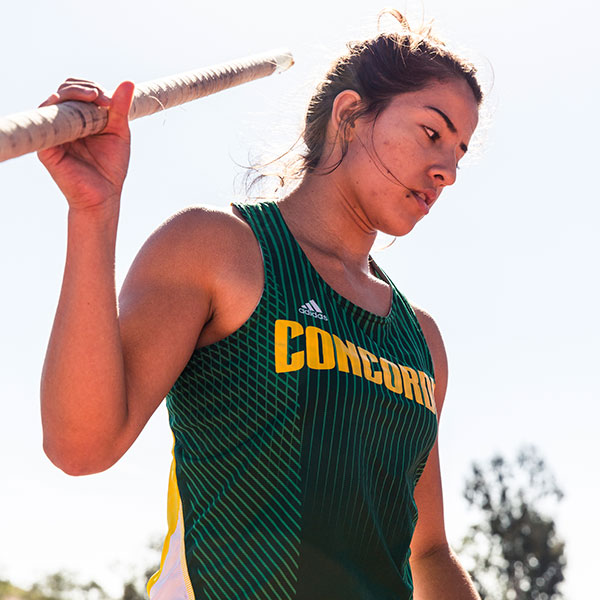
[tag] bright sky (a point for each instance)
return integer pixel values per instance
(506, 262)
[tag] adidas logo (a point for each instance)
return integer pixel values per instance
(312, 309)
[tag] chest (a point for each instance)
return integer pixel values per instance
(361, 287)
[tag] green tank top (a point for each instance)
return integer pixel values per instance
(299, 440)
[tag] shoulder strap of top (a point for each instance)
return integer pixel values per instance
(285, 264)
(406, 315)
(266, 222)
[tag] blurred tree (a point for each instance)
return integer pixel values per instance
(135, 588)
(514, 552)
(132, 592)
(55, 587)
(65, 586)
(58, 586)
(8, 591)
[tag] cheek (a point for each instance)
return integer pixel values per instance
(398, 156)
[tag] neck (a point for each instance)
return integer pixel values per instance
(323, 217)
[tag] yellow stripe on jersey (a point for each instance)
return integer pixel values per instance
(173, 551)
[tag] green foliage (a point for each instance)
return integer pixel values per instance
(135, 588)
(10, 591)
(57, 586)
(64, 585)
(514, 551)
(132, 592)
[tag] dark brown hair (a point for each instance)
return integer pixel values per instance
(377, 69)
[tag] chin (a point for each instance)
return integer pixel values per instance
(400, 229)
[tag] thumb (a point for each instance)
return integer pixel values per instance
(118, 111)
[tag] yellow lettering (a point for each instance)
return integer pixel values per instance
(367, 359)
(319, 349)
(345, 351)
(391, 376)
(325, 350)
(411, 384)
(284, 331)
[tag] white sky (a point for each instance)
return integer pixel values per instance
(506, 262)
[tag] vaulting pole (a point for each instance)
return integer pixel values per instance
(49, 126)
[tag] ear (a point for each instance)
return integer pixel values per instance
(344, 105)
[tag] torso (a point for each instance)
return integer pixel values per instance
(311, 448)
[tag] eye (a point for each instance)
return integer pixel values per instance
(432, 134)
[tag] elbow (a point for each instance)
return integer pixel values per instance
(74, 462)
(434, 552)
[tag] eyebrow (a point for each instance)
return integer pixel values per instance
(449, 124)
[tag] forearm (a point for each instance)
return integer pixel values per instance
(439, 575)
(83, 385)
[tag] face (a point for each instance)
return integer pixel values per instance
(398, 165)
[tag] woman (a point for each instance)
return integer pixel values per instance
(303, 389)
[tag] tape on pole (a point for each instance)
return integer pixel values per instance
(49, 126)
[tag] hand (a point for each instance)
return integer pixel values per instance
(90, 171)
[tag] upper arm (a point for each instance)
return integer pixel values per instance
(430, 531)
(165, 302)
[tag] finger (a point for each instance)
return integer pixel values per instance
(51, 156)
(79, 94)
(52, 99)
(80, 84)
(90, 90)
(118, 111)
(81, 80)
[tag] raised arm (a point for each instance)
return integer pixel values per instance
(436, 570)
(106, 370)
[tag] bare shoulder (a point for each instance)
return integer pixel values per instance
(205, 256)
(437, 349)
(200, 251)
(199, 243)
(213, 230)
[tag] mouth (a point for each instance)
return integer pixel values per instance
(422, 199)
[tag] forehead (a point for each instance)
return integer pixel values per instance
(454, 98)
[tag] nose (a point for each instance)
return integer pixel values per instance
(444, 172)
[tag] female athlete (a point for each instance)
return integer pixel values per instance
(303, 390)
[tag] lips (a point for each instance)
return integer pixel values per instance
(426, 197)
(422, 199)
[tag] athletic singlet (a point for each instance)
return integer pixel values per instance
(298, 442)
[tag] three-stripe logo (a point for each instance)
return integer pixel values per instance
(312, 309)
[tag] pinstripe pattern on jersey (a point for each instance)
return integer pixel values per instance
(299, 485)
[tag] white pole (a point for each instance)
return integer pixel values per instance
(49, 126)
